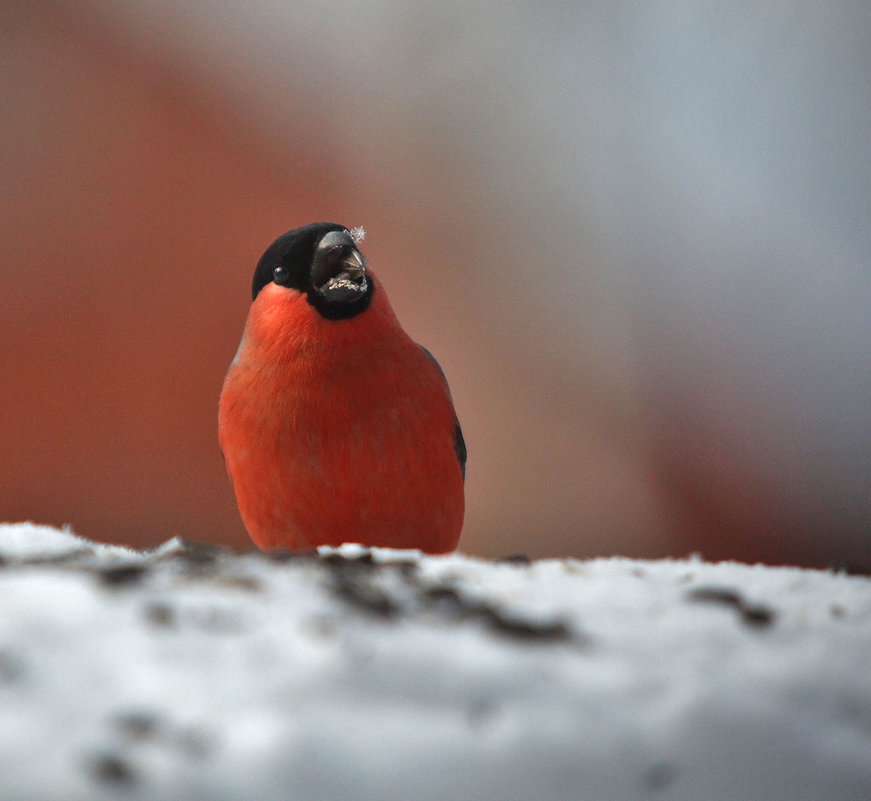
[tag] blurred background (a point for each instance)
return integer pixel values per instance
(636, 235)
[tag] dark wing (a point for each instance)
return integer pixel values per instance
(460, 446)
(459, 442)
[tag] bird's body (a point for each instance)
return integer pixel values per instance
(339, 429)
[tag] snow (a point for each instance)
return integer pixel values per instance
(201, 673)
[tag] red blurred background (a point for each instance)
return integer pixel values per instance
(647, 282)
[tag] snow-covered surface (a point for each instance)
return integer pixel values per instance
(198, 673)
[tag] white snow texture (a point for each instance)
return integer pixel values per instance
(193, 672)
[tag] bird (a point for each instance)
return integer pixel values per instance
(335, 425)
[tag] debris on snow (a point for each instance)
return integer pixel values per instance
(194, 671)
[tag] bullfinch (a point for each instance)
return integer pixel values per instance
(335, 425)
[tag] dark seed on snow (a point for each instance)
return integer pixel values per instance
(287, 555)
(364, 595)
(753, 614)
(660, 776)
(159, 614)
(122, 574)
(339, 560)
(112, 769)
(514, 559)
(11, 668)
(502, 623)
(137, 725)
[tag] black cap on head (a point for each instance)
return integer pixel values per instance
(321, 260)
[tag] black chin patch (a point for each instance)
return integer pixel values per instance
(343, 291)
(343, 304)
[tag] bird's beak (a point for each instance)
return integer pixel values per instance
(342, 278)
(338, 271)
(353, 266)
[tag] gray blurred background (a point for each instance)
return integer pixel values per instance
(636, 235)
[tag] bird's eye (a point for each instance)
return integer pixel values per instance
(279, 275)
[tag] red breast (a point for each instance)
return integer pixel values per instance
(339, 430)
